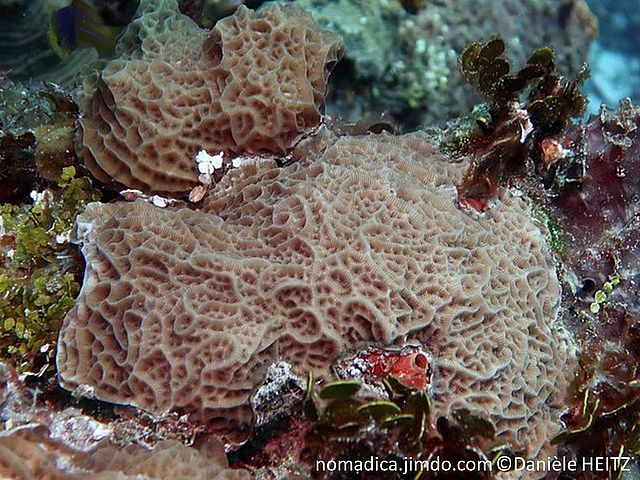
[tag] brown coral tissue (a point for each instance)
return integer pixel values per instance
(360, 242)
(254, 84)
(32, 453)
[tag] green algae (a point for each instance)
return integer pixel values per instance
(600, 297)
(553, 230)
(525, 109)
(353, 426)
(404, 415)
(39, 279)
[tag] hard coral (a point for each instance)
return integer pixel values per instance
(34, 453)
(360, 242)
(254, 84)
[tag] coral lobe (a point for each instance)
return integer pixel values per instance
(360, 244)
(253, 84)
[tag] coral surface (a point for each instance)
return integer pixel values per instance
(32, 453)
(359, 242)
(255, 83)
(43, 443)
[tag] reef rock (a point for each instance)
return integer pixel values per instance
(360, 242)
(253, 84)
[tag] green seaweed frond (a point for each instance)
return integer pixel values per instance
(524, 108)
(338, 413)
(601, 295)
(551, 101)
(346, 422)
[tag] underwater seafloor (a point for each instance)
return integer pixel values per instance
(331, 239)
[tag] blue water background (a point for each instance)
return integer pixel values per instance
(615, 57)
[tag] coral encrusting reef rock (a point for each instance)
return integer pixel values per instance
(254, 84)
(361, 242)
(32, 453)
(42, 442)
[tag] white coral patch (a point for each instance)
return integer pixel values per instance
(208, 163)
(159, 201)
(77, 430)
(131, 194)
(63, 237)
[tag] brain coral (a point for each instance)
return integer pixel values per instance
(32, 454)
(254, 83)
(359, 242)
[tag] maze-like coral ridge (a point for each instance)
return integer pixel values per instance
(254, 84)
(32, 454)
(363, 244)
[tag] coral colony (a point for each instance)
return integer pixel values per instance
(205, 276)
